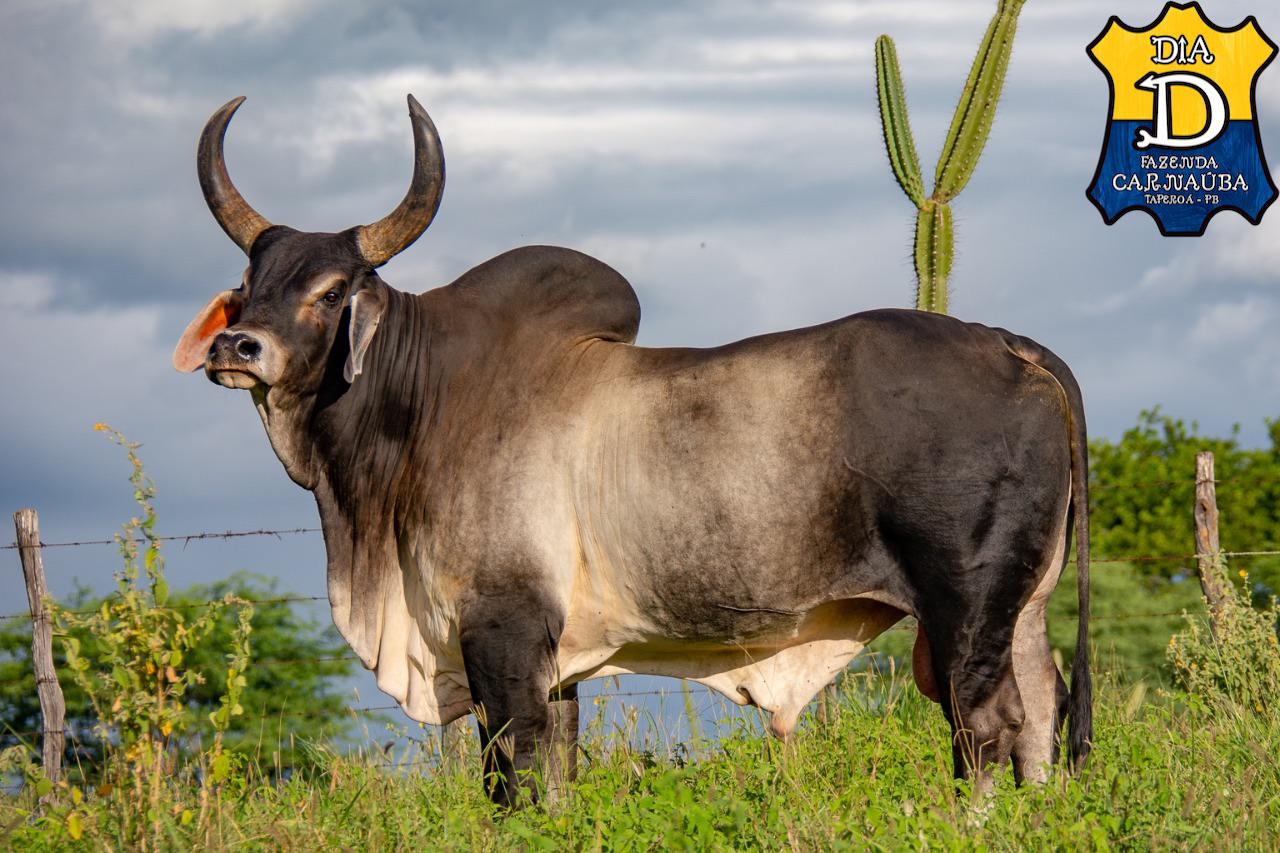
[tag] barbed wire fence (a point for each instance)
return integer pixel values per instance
(373, 712)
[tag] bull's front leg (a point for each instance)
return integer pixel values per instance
(508, 649)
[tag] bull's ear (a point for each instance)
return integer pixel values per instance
(222, 311)
(366, 312)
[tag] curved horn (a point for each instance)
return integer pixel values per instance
(241, 222)
(382, 240)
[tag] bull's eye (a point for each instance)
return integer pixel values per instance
(331, 298)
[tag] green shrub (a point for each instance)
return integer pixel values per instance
(1236, 665)
(136, 672)
(294, 687)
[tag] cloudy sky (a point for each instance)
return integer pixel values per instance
(724, 156)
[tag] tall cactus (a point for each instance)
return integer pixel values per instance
(966, 138)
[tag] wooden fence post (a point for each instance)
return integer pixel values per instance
(53, 709)
(562, 766)
(828, 704)
(1208, 546)
(452, 739)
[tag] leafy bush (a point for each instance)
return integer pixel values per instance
(137, 671)
(295, 684)
(1236, 663)
(294, 689)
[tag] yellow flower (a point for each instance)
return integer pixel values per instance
(1243, 573)
(100, 427)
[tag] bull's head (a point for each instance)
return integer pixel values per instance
(306, 299)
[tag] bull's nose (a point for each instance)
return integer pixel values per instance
(248, 348)
(235, 346)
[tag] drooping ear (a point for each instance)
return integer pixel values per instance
(222, 311)
(366, 313)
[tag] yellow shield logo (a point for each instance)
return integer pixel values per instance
(1182, 139)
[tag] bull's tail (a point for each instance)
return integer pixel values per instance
(1080, 709)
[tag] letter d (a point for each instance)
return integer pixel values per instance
(1215, 107)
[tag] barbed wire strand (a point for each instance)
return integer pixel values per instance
(1116, 560)
(1097, 560)
(1165, 484)
(235, 534)
(185, 538)
(229, 534)
(287, 599)
(195, 605)
(294, 661)
(670, 693)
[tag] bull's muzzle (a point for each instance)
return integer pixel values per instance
(235, 360)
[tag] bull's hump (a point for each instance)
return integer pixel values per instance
(562, 293)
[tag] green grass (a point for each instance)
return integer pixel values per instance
(876, 775)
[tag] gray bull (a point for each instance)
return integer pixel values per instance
(516, 498)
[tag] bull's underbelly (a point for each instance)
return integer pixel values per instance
(778, 668)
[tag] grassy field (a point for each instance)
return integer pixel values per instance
(1186, 745)
(875, 775)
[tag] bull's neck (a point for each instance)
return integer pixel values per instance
(367, 433)
(349, 437)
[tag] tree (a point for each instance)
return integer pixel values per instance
(293, 681)
(1142, 490)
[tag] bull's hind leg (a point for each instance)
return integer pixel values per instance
(1044, 693)
(974, 571)
(981, 701)
(1044, 697)
(979, 734)
(992, 665)
(967, 618)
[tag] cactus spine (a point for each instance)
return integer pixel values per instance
(970, 127)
